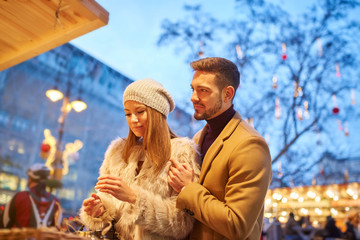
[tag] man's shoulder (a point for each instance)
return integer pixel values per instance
(244, 128)
(21, 197)
(22, 194)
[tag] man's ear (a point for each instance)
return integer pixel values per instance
(229, 92)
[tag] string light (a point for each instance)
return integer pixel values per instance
(320, 51)
(279, 170)
(299, 113)
(352, 93)
(300, 91)
(201, 52)
(274, 80)
(292, 185)
(339, 125)
(283, 47)
(295, 89)
(277, 108)
(337, 67)
(319, 142)
(306, 110)
(313, 181)
(346, 175)
(335, 109)
(346, 130)
(239, 52)
(322, 169)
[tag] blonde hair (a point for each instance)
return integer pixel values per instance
(156, 141)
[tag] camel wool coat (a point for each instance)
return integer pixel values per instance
(154, 215)
(228, 200)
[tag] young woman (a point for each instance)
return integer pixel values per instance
(133, 192)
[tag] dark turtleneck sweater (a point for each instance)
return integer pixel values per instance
(215, 126)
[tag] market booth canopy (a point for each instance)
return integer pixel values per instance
(31, 27)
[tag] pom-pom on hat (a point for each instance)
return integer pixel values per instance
(150, 93)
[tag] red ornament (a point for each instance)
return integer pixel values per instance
(335, 110)
(45, 147)
(284, 56)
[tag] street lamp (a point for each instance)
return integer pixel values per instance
(78, 105)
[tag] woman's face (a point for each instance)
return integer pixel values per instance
(136, 117)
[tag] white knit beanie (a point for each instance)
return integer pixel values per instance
(150, 93)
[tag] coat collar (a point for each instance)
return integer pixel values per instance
(218, 143)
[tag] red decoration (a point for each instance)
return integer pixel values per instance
(45, 147)
(335, 110)
(283, 56)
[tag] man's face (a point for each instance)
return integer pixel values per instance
(206, 97)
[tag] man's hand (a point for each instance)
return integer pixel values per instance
(116, 187)
(180, 175)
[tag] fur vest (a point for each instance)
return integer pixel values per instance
(154, 215)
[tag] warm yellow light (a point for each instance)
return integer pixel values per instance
(78, 105)
(282, 219)
(301, 199)
(311, 194)
(304, 211)
(294, 195)
(334, 211)
(267, 215)
(351, 192)
(330, 193)
(284, 200)
(318, 211)
(54, 94)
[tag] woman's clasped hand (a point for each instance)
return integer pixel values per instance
(116, 187)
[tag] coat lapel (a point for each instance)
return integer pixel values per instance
(216, 147)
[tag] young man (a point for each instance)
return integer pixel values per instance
(34, 208)
(228, 200)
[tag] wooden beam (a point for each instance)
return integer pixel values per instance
(27, 28)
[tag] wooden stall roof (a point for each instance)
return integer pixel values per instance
(31, 27)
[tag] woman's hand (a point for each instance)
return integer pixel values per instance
(116, 187)
(93, 206)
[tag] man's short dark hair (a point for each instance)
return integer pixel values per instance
(227, 73)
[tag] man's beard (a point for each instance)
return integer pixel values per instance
(209, 113)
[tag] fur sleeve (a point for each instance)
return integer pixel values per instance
(158, 214)
(110, 203)
(185, 150)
